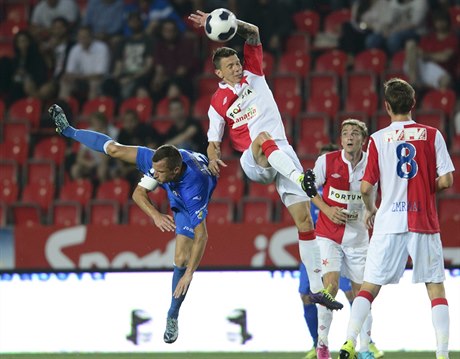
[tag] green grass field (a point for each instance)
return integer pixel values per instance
(388, 355)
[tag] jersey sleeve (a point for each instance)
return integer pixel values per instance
(372, 172)
(253, 59)
(216, 125)
(144, 160)
(443, 161)
(320, 171)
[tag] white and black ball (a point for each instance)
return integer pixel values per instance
(221, 25)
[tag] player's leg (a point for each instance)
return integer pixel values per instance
(310, 312)
(426, 253)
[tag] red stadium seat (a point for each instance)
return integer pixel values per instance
(327, 103)
(103, 104)
(334, 20)
(26, 214)
(286, 85)
(220, 211)
(9, 191)
(16, 131)
(51, 148)
(18, 151)
(201, 106)
(332, 61)
(207, 85)
(295, 63)
(307, 21)
(229, 187)
(455, 144)
(80, 190)
(39, 171)
(443, 100)
(17, 12)
(456, 186)
(26, 109)
(65, 214)
(366, 102)
(256, 211)
(318, 83)
(397, 60)
(134, 215)
(260, 190)
(449, 220)
(312, 133)
(41, 194)
(2, 103)
(268, 63)
(159, 198)
(6, 50)
(283, 215)
(290, 105)
(117, 189)
(8, 170)
(103, 212)
(74, 105)
(455, 16)
(355, 83)
(9, 28)
(142, 106)
(162, 124)
(233, 168)
(163, 106)
(380, 120)
(297, 43)
(433, 118)
(374, 60)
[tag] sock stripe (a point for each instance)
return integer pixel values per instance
(307, 236)
(268, 147)
(438, 301)
(366, 294)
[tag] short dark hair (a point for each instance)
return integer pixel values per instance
(399, 95)
(171, 153)
(221, 53)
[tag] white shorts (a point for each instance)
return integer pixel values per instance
(290, 193)
(388, 253)
(349, 261)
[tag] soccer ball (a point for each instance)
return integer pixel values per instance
(221, 25)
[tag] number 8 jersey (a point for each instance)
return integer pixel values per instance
(406, 158)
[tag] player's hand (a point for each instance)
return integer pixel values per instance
(336, 215)
(164, 222)
(214, 166)
(369, 218)
(182, 285)
(198, 18)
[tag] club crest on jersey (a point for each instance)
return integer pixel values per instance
(405, 134)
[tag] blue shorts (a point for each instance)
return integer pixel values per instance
(184, 224)
(304, 283)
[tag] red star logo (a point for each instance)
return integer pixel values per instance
(325, 262)
(244, 80)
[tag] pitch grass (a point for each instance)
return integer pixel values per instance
(388, 355)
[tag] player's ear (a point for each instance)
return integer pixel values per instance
(388, 107)
(219, 73)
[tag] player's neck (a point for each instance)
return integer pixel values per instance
(354, 157)
(401, 118)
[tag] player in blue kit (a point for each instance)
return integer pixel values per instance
(184, 175)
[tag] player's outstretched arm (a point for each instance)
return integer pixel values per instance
(199, 245)
(96, 141)
(163, 221)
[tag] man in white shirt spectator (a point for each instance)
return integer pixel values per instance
(87, 65)
(46, 11)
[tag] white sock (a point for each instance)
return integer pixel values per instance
(359, 312)
(365, 335)
(324, 325)
(311, 258)
(281, 162)
(440, 319)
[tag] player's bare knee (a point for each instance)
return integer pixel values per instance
(180, 260)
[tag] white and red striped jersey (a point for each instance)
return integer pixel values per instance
(341, 188)
(406, 158)
(248, 108)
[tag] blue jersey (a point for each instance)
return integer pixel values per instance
(189, 197)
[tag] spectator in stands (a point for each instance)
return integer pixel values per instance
(90, 164)
(56, 51)
(87, 65)
(135, 133)
(175, 59)
(186, 132)
(46, 11)
(134, 60)
(152, 13)
(23, 75)
(273, 29)
(105, 18)
(402, 20)
(433, 61)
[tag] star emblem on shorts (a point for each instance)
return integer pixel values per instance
(325, 262)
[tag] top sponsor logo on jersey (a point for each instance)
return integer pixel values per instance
(405, 134)
(345, 197)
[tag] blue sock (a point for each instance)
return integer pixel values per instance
(173, 311)
(310, 313)
(91, 139)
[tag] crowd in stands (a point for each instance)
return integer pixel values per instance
(140, 72)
